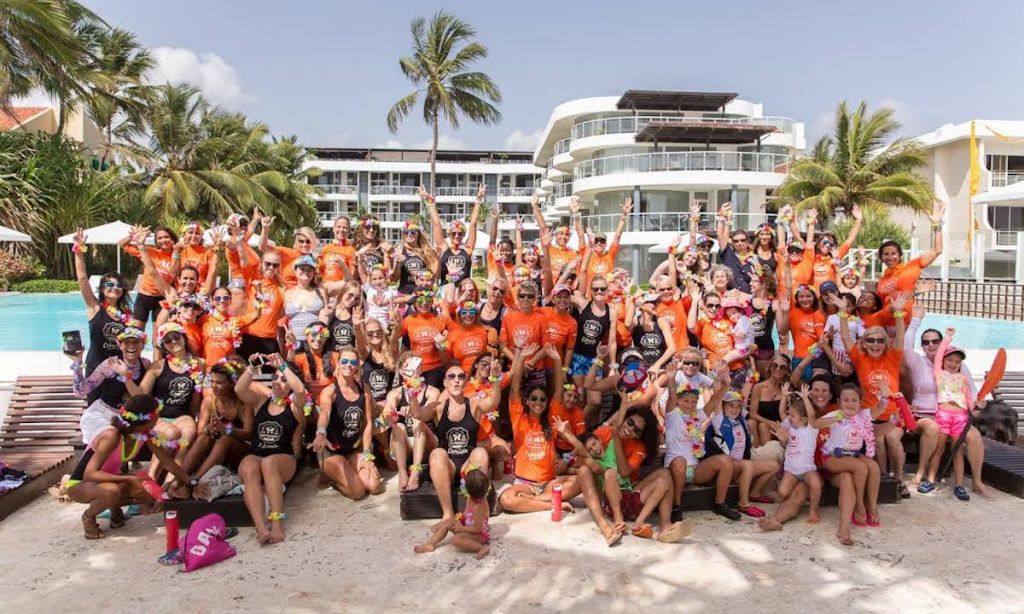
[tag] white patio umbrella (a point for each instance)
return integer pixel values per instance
(106, 234)
(10, 234)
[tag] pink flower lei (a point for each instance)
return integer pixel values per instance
(116, 314)
(195, 369)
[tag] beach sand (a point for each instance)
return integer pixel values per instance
(932, 553)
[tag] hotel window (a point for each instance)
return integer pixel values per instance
(1006, 217)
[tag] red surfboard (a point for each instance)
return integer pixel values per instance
(995, 375)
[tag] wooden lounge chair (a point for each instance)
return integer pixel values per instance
(40, 436)
(1011, 391)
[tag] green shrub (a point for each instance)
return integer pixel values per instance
(46, 285)
(19, 268)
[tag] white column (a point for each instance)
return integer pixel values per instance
(979, 257)
(1018, 269)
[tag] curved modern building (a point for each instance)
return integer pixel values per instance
(665, 149)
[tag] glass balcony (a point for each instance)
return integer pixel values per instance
(633, 124)
(683, 161)
(562, 146)
(395, 190)
(1004, 178)
(515, 192)
(672, 222)
(335, 188)
(456, 191)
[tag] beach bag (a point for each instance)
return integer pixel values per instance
(204, 543)
(218, 481)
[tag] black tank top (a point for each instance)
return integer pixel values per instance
(591, 330)
(403, 403)
(762, 321)
(457, 438)
(769, 410)
(273, 434)
(494, 322)
(175, 390)
(114, 392)
(457, 264)
(342, 333)
(377, 378)
(650, 343)
(372, 258)
(412, 265)
(345, 427)
(103, 332)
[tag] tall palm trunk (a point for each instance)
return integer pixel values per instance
(433, 154)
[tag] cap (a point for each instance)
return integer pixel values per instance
(651, 297)
(166, 329)
(795, 245)
(559, 288)
(731, 396)
(828, 286)
(631, 354)
(600, 235)
(131, 332)
(306, 260)
(955, 350)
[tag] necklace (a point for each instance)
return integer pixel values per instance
(116, 314)
(194, 370)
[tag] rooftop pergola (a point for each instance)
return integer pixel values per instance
(702, 132)
(659, 100)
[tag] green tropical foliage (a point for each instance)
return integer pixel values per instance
(856, 166)
(876, 228)
(439, 67)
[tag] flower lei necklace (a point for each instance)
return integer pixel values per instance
(231, 322)
(171, 445)
(722, 324)
(116, 314)
(691, 428)
(307, 407)
(194, 370)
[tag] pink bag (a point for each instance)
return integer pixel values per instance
(204, 543)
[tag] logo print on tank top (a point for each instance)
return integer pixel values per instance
(350, 419)
(180, 390)
(343, 334)
(650, 341)
(414, 265)
(456, 264)
(458, 441)
(110, 332)
(591, 331)
(269, 433)
(378, 381)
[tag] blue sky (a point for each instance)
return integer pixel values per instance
(328, 71)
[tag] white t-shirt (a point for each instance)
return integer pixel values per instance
(800, 450)
(850, 433)
(683, 437)
(377, 303)
(743, 334)
(699, 381)
(856, 331)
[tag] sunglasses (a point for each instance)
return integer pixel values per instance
(663, 290)
(601, 241)
(538, 398)
(112, 285)
(498, 290)
(925, 342)
(468, 312)
(173, 337)
(222, 299)
(190, 306)
(374, 333)
(273, 265)
(348, 362)
(303, 241)
(691, 363)
(411, 233)
(875, 340)
(455, 376)
(600, 289)
(527, 297)
(779, 366)
(456, 234)
(740, 240)
(712, 305)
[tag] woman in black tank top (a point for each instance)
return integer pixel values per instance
(492, 310)
(371, 251)
(406, 429)
(456, 262)
(345, 432)
(276, 443)
(458, 425)
(651, 336)
(176, 380)
(225, 424)
(763, 319)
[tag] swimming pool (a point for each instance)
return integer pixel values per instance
(35, 321)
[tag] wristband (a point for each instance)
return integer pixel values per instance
(176, 256)
(899, 314)
(79, 249)
(599, 362)
(936, 226)
(492, 379)
(321, 430)
(283, 368)
(368, 456)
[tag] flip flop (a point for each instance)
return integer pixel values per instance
(677, 532)
(762, 499)
(858, 523)
(613, 539)
(874, 521)
(643, 531)
(752, 511)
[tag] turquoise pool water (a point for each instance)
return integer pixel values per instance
(35, 322)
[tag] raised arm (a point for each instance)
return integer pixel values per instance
(474, 219)
(538, 215)
(812, 219)
(517, 235)
(899, 304)
(936, 219)
(436, 230)
(574, 211)
(627, 208)
(858, 219)
(724, 218)
(79, 248)
(694, 221)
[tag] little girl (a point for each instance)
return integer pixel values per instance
(735, 308)
(685, 424)
(851, 432)
(842, 366)
(378, 297)
(801, 440)
(954, 399)
(471, 532)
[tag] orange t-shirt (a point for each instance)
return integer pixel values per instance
(824, 267)
(634, 449)
(314, 386)
(677, 312)
(164, 263)
(559, 330)
(264, 324)
(219, 336)
(871, 372)
(574, 416)
(199, 257)
(520, 329)
(803, 271)
(288, 258)
(492, 267)
(603, 264)
(467, 343)
(251, 270)
(535, 454)
(716, 339)
(330, 258)
(559, 258)
(194, 334)
(421, 330)
(805, 328)
(902, 277)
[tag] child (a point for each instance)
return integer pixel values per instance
(842, 366)
(378, 297)
(735, 308)
(800, 440)
(473, 533)
(954, 399)
(688, 374)
(684, 436)
(851, 431)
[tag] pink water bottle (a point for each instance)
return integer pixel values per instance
(171, 527)
(556, 503)
(509, 465)
(151, 487)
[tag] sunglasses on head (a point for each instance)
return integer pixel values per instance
(930, 341)
(455, 376)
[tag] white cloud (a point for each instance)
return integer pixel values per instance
(523, 141)
(390, 144)
(444, 141)
(36, 98)
(903, 114)
(218, 80)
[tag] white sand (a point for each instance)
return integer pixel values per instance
(932, 554)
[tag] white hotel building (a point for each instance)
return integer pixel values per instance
(664, 149)
(385, 182)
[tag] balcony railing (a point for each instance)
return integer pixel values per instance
(336, 188)
(512, 192)
(1006, 238)
(456, 191)
(1004, 178)
(683, 161)
(562, 146)
(672, 222)
(395, 190)
(562, 190)
(633, 124)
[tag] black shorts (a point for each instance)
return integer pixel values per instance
(146, 306)
(257, 345)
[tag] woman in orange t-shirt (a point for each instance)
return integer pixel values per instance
(197, 255)
(266, 302)
(902, 277)
(337, 260)
(147, 303)
(222, 332)
(467, 338)
(806, 322)
(427, 337)
(534, 441)
(305, 242)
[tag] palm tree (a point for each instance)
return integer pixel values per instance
(37, 38)
(854, 166)
(442, 53)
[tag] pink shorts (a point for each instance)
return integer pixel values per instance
(951, 423)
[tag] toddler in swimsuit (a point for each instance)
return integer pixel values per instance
(471, 531)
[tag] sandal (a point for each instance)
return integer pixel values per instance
(751, 510)
(613, 539)
(92, 528)
(904, 491)
(118, 519)
(874, 521)
(644, 531)
(858, 523)
(762, 499)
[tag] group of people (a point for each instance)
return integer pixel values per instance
(765, 363)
